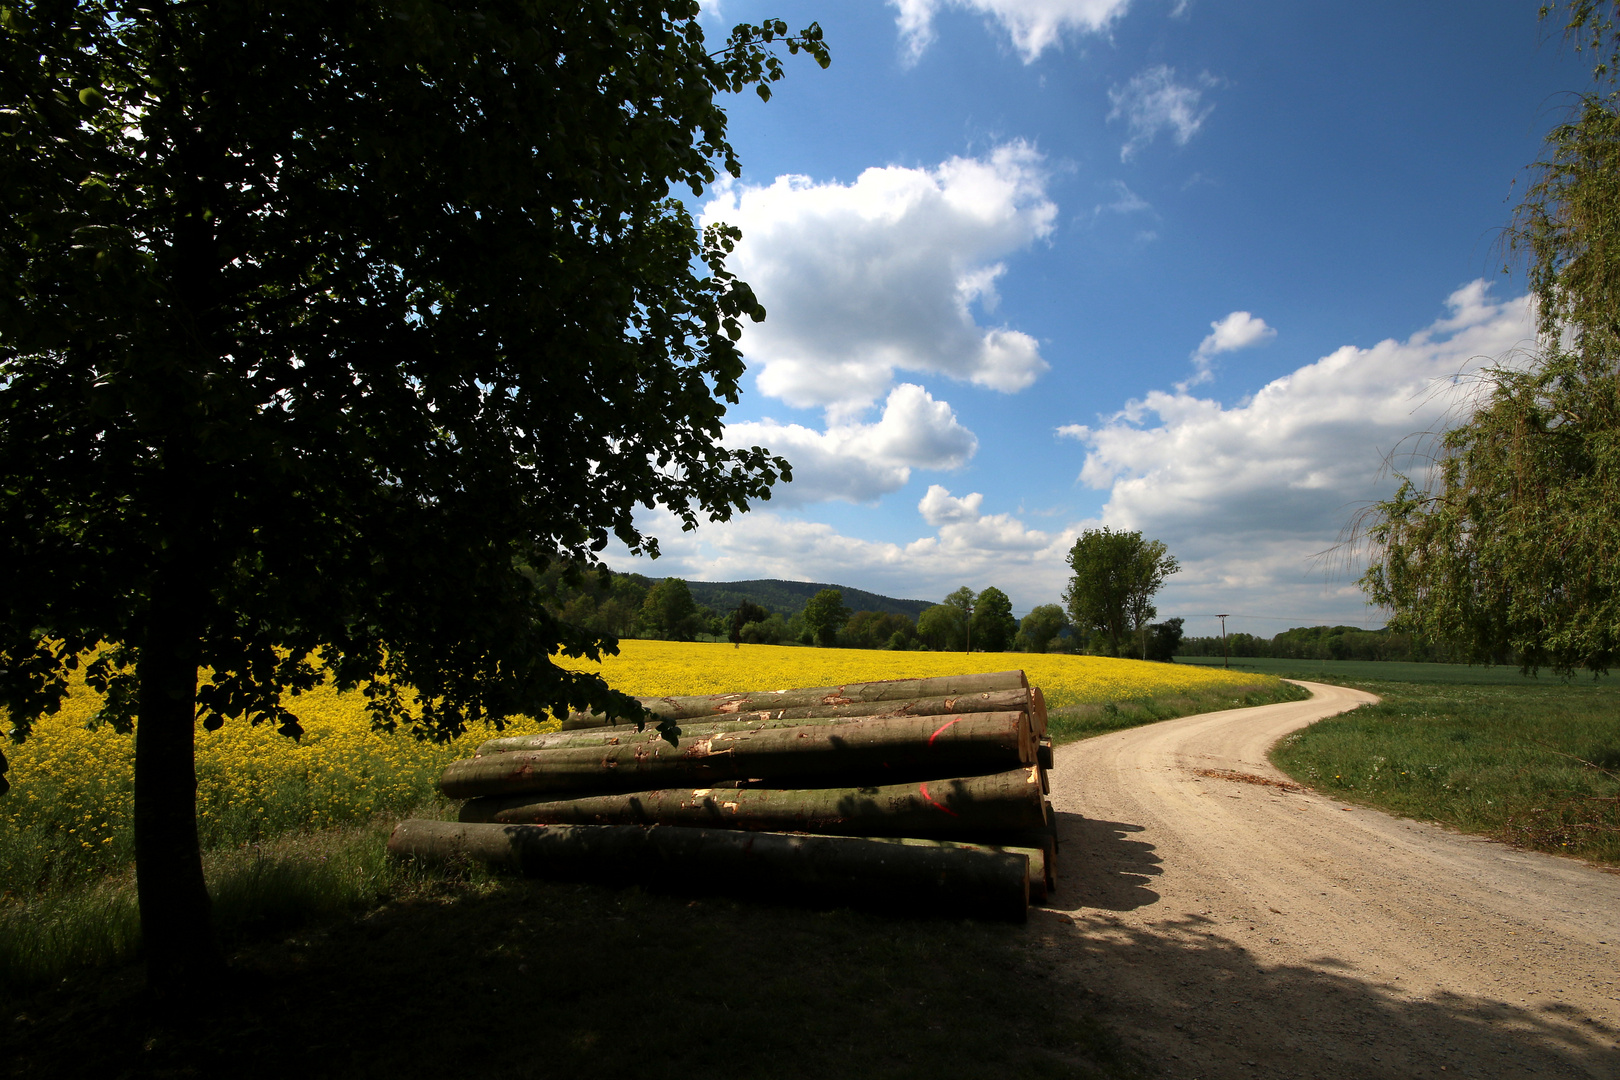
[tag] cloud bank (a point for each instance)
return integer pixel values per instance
(1247, 495)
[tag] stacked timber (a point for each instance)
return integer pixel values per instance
(930, 793)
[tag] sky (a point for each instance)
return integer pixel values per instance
(1203, 269)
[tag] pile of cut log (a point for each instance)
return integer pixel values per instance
(924, 793)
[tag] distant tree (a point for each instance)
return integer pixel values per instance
(669, 610)
(943, 628)
(1040, 626)
(1115, 577)
(745, 613)
(1163, 639)
(993, 622)
(962, 601)
(825, 615)
(876, 629)
(1512, 544)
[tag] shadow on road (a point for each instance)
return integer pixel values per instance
(1199, 1004)
(1101, 866)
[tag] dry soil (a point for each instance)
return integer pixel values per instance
(1242, 926)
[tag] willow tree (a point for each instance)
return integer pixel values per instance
(1512, 545)
(323, 328)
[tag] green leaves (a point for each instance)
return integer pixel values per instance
(351, 312)
(1115, 577)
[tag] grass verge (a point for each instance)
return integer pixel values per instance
(1075, 722)
(289, 881)
(1536, 764)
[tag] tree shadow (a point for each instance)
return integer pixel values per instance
(1200, 1004)
(1101, 866)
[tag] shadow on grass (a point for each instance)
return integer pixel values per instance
(514, 978)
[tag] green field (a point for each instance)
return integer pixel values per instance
(1535, 764)
(1354, 672)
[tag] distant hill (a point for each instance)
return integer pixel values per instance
(789, 597)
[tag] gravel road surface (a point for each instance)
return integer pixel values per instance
(1239, 926)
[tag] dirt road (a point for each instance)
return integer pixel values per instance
(1243, 929)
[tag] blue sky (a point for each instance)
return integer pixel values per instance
(1192, 268)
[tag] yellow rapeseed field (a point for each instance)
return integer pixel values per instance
(69, 807)
(657, 668)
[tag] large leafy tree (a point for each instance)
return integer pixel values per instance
(825, 615)
(1116, 575)
(323, 329)
(993, 622)
(1512, 545)
(1040, 626)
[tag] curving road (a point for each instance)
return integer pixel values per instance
(1235, 927)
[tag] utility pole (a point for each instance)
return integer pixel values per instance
(1224, 662)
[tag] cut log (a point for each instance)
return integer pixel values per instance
(1009, 800)
(1044, 753)
(935, 878)
(690, 708)
(1041, 874)
(603, 734)
(975, 743)
(1037, 709)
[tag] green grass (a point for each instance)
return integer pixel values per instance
(260, 888)
(1506, 761)
(1084, 721)
(1354, 672)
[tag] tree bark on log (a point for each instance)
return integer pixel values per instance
(712, 705)
(932, 878)
(927, 745)
(604, 734)
(1009, 800)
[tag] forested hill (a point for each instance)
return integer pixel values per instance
(787, 598)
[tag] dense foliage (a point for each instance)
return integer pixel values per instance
(1323, 643)
(1116, 575)
(1513, 544)
(322, 328)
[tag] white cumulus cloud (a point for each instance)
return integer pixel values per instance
(1153, 101)
(1246, 494)
(1033, 25)
(887, 274)
(1238, 330)
(858, 462)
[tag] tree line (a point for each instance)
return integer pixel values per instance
(1328, 643)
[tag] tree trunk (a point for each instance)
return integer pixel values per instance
(603, 735)
(1009, 800)
(933, 878)
(688, 708)
(903, 747)
(182, 957)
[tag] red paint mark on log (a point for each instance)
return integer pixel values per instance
(941, 728)
(923, 789)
